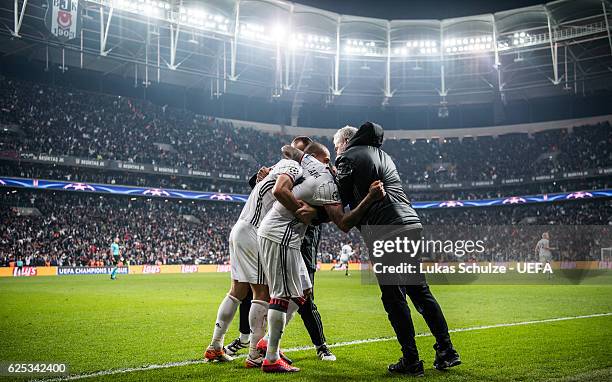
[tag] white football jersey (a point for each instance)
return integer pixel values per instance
(317, 188)
(543, 246)
(261, 199)
(346, 252)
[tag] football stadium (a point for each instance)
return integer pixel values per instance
(223, 190)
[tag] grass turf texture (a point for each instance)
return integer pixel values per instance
(93, 323)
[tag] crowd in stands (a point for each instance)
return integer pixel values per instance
(507, 156)
(579, 228)
(59, 121)
(73, 229)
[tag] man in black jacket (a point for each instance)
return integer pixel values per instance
(360, 161)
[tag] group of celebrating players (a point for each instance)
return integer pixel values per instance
(276, 232)
(274, 244)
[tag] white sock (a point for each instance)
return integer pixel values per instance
(276, 325)
(258, 315)
(244, 338)
(225, 315)
(293, 307)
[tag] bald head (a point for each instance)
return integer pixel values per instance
(318, 151)
(301, 142)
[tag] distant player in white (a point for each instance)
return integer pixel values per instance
(343, 259)
(246, 265)
(281, 232)
(543, 249)
(345, 255)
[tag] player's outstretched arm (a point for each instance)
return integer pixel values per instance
(291, 152)
(346, 221)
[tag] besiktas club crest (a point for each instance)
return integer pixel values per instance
(63, 19)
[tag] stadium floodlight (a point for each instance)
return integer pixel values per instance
(199, 18)
(310, 41)
(150, 11)
(400, 51)
(278, 32)
(146, 7)
(521, 38)
(257, 32)
(416, 47)
(356, 46)
(428, 51)
(468, 44)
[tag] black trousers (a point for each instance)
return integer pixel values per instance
(311, 317)
(308, 311)
(395, 290)
(396, 306)
(245, 306)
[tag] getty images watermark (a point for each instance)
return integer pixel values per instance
(487, 254)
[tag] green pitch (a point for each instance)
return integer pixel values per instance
(95, 324)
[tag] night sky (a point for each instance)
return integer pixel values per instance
(422, 9)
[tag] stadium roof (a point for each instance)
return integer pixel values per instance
(300, 54)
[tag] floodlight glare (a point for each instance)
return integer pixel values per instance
(278, 32)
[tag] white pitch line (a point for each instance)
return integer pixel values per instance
(299, 348)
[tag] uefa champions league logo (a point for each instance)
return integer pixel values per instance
(156, 192)
(451, 203)
(514, 200)
(79, 187)
(223, 197)
(579, 195)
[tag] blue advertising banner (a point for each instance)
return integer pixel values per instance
(58, 185)
(238, 198)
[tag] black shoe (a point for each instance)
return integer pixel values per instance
(446, 358)
(402, 367)
(235, 346)
(325, 354)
